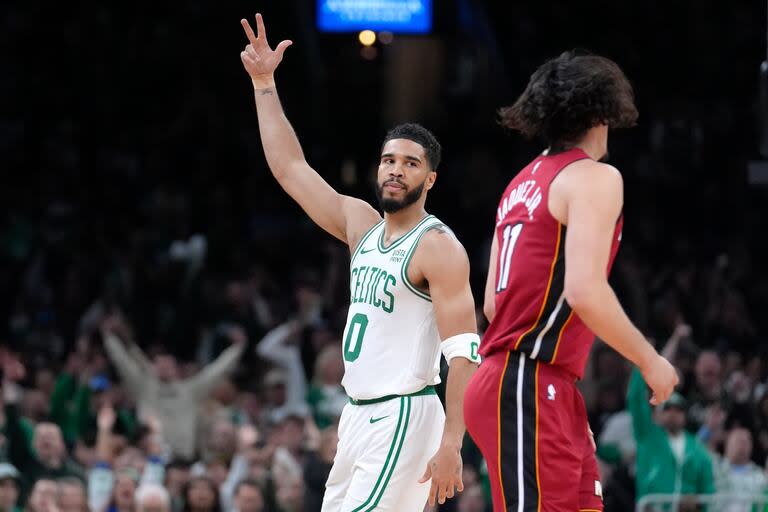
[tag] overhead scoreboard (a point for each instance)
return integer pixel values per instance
(397, 16)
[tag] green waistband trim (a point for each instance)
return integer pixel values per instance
(429, 390)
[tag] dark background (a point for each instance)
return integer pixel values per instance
(105, 106)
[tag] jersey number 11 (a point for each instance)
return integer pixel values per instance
(510, 235)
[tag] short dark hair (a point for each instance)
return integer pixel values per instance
(179, 463)
(570, 94)
(421, 136)
(249, 482)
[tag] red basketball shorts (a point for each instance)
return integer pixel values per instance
(529, 421)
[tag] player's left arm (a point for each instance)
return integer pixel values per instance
(443, 263)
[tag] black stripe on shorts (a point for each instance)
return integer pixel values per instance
(518, 446)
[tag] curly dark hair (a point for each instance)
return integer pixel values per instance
(567, 96)
(421, 136)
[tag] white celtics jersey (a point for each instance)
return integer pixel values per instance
(391, 344)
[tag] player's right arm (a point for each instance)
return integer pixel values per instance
(591, 196)
(489, 299)
(344, 217)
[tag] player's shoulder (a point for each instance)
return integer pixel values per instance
(588, 174)
(440, 242)
(587, 166)
(360, 217)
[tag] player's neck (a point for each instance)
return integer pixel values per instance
(400, 222)
(594, 142)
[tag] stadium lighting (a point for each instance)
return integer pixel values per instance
(367, 37)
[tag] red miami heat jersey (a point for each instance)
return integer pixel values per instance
(532, 315)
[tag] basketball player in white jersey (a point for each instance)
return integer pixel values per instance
(410, 301)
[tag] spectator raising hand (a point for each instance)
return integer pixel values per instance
(157, 387)
(106, 422)
(13, 369)
(237, 335)
(247, 435)
(663, 444)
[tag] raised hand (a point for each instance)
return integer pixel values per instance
(13, 369)
(247, 435)
(682, 331)
(236, 335)
(111, 324)
(259, 59)
(106, 418)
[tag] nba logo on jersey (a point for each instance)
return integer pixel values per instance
(551, 392)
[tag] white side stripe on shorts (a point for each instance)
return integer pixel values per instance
(520, 476)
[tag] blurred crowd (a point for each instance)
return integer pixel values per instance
(710, 438)
(180, 389)
(239, 416)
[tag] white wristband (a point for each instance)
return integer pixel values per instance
(461, 345)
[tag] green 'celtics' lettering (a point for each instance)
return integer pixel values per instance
(370, 289)
(372, 285)
(353, 279)
(358, 275)
(391, 306)
(361, 297)
(376, 301)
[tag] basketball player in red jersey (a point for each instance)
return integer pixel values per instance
(558, 228)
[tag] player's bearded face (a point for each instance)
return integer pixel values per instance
(392, 204)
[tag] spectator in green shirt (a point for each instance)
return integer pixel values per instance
(76, 398)
(670, 460)
(47, 459)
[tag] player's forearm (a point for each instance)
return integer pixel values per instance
(460, 372)
(281, 146)
(599, 308)
(489, 310)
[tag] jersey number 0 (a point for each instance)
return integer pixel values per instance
(354, 341)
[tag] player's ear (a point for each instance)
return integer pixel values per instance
(431, 178)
